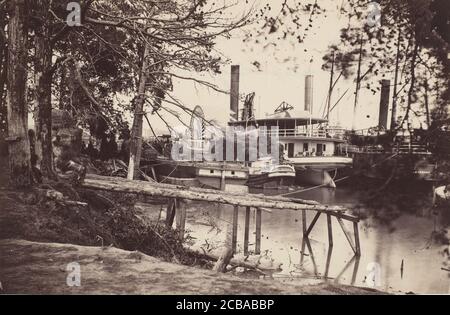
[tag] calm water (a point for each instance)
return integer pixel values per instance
(384, 248)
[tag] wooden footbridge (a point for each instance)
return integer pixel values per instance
(176, 210)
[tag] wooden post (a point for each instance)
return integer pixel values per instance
(181, 218)
(235, 229)
(357, 244)
(246, 230)
(355, 270)
(304, 222)
(170, 214)
(311, 253)
(328, 263)
(330, 231)
(258, 232)
(302, 253)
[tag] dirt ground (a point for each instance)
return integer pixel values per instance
(40, 268)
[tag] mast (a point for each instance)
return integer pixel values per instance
(394, 95)
(427, 109)
(330, 90)
(309, 99)
(358, 82)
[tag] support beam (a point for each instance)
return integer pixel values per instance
(330, 231)
(235, 229)
(355, 269)
(347, 265)
(311, 226)
(347, 234)
(246, 230)
(328, 263)
(357, 244)
(258, 231)
(311, 254)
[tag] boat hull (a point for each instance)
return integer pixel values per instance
(271, 180)
(315, 171)
(216, 182)
(326, 163)
(312, 177)
(217, 176)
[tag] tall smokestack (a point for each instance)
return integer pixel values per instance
(384, 103)
(234, 93)
(309, 93)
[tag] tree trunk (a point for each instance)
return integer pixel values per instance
(136, 132)
(19, 146)
(3, 74)
(43, 81)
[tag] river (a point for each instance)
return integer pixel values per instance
(396, 257)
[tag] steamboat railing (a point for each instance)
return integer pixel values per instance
(294, 133)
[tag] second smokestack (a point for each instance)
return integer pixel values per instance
(309, 93)
(234, 93)
(384, 104)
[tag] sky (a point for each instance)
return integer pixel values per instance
(278, 80)
(280, 77)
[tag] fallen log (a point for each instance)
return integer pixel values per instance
(213, 191)
(236, 262)
(171, 191)
(223, 260)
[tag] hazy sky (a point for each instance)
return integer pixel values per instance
(281, 76)
(279, 80)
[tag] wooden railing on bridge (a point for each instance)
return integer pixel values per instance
(262, 203)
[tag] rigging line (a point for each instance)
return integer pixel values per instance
(342, 96)
(151, 128)
(164, 179)
(338, 180)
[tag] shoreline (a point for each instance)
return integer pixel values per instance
(40, 268)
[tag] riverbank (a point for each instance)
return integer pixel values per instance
(39, 238)
(40, 268)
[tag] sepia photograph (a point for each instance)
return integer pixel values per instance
(224, 154)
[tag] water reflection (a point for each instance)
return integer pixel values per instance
(354, 261)
(407, 258)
